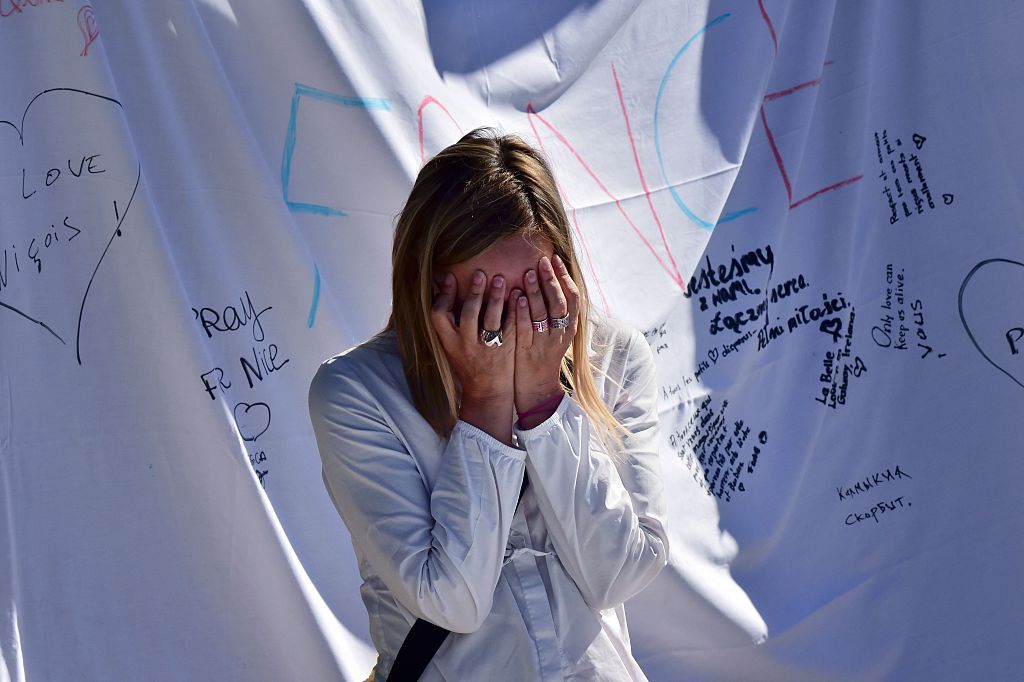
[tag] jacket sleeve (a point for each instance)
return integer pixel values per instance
(606, 519)
(438, 551)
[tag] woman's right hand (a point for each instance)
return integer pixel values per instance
(485, 374)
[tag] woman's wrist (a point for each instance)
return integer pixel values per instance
(541, 411)
(527, 398)
(490, 416)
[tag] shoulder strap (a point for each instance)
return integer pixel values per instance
(422, 642)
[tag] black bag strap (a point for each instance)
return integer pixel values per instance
(423, 641)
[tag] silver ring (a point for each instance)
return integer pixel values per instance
(540, 326)
(559, 322)
(490, 339)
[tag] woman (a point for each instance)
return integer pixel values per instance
(493, 451)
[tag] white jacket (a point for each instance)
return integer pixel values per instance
(533, 593)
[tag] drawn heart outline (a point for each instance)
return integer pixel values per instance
(119, 217)
(963, 318)
(249, 424)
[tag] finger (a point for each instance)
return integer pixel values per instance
(495, 302)
(552, 289)
(441, 311)
(471, 306)
(538, 309)
(569, 289)
(524, 330)
(508, 326)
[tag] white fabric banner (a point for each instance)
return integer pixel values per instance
(811, 207)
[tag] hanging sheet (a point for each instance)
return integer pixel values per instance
(811, 207)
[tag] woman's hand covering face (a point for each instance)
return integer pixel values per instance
(485, 373)
(550, 292)
(469, 302)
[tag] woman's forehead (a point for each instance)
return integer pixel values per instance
(511, 257)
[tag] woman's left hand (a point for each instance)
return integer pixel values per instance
(550, 293)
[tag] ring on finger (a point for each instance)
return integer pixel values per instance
(491, 339)
(559, 322)
(540, 325)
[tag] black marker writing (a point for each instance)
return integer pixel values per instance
(221, 381)
(1012, 337)
(87, 165)
(709, 276)
(263, 362)
(876, 511)
(230, 320)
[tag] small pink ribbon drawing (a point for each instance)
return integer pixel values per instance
(87, 24)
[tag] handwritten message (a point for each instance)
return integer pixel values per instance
(839, 368)
(874, 496)
(252, 419)
(63, 207)
(901, 172)
(657, 338)
(719, 284)
(900, 322)
(718, 450)
(741, 302)
(824, 316)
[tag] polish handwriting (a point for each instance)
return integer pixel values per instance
(725, 282)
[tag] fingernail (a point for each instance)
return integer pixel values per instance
(498, 282)
(531, 276)
(449, 279)
(545, 264)
(522, 301)
(478, 277)
(516, 294)
(558, 262)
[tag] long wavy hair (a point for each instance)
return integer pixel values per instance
(482, 189)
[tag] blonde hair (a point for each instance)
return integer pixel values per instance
(482, 189)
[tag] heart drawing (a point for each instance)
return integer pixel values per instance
(992, 312)
(68, 176)
(253, 421)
